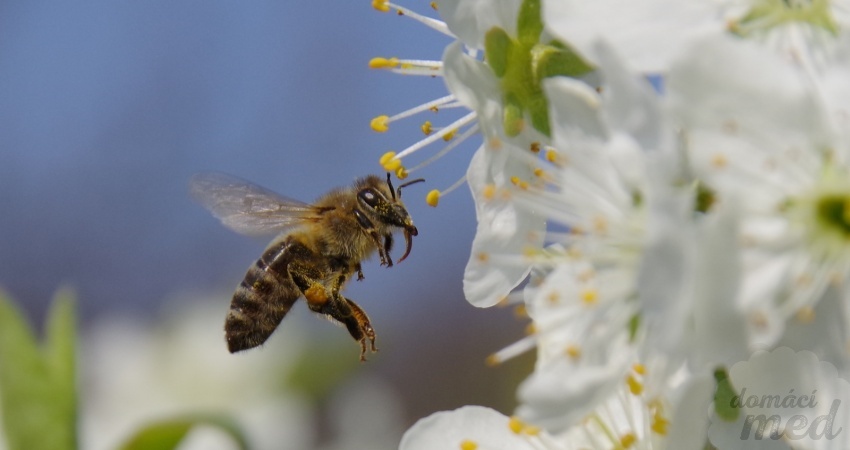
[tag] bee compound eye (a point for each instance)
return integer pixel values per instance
(369, 197)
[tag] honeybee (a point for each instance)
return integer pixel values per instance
(318, 249)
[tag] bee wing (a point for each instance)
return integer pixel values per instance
(247, 208)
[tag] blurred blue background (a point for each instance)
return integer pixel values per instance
(107, 108)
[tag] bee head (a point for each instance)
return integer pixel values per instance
(383, 203)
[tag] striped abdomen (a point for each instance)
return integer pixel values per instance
(263, 298)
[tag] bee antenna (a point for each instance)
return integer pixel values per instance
(390, 184)
(418, 180)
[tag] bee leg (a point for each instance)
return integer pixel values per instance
(369, 228)
(359, 270)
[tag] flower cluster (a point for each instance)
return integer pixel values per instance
(664, 187)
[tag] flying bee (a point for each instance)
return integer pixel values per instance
(319, 248)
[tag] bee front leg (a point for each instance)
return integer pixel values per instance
(359, 270)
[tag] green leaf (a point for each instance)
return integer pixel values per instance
(167, 434)
(724, 397)
(37, 385)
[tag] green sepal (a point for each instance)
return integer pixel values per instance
(38, 382)
(497, 45)
(167, 434)
(724, 397)
(529, 22)
(512, 120)
(558, 59)
(538, 111)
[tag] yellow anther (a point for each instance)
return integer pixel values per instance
(433, 198)
(627, 440)
(639, 369)
(573, 351)
(383, 63)
(590, 296)
(515, 180)
(521, 311)
(426, 127)
(488, 192)
(401, 173)
(659, 424)
(434, 109)
(534, 147)
(538, 172)
(531, 430)
(380, 124)
(551, 156)
(515, 424)
(433, 5)
(389, 162)
(493, 360)
(466, 444)
(719, 161)
(805, 315)
(381, 5)
(635, 386)
(450, 135)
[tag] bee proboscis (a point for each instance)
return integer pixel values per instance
(318, 248)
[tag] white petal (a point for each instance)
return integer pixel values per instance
(647, 33)
(504, 231)
(485, 427)
(470, 20)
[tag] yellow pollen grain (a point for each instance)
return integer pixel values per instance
(450, 135)
(316, 295)
(552, 156)
(639, 369)
(426, 128)
(553, 297)
(406, 66)
(590, 296)
(515, 424)
(534, 147)
(530, 329)
(573, 351)
(433, 5)
(467, 444)
(389, 162)
(635, 386)
(383, 63)
(433, 198)
(401, 173)
(381, 5)
(380, 124)
(488, 192)
(483, 257)
(627, 440)
(434, 109)
(805, 315)
(538, 172)
(493, 360)
(515, 180)
(400, 12)
(719, 161)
